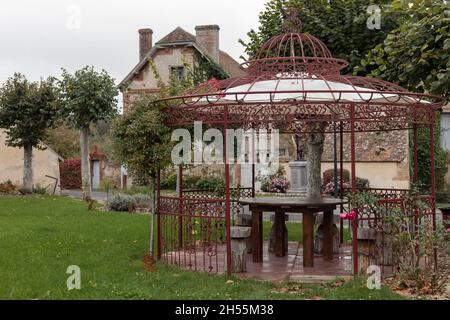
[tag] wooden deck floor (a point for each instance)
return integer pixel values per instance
(272, 268)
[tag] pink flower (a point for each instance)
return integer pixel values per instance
(348, 216)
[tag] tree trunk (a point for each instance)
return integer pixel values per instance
(152, 214)
(85, 167)
(314, 141)
(28, 168)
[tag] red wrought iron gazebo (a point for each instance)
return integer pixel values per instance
(292, 84)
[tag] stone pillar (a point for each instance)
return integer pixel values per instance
(299, 181)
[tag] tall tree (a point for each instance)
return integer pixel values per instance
(417, 56)
(88, 97)
(27, 111)
(143, 143)
(340, 24)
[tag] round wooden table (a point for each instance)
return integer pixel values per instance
(281, 205)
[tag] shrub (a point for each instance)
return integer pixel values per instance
(442, 197)
(329, 187)
(70, 173)
(362, 183)
(142, 200)
(137, 190)
(169, 182)
(8, 187)
(38, 189)
(274, 182)
(121, 202)
(278, 185)
(210, 184)
(328, 176)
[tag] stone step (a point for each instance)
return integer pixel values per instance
(317, 279)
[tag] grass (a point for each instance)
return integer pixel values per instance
(40, 236)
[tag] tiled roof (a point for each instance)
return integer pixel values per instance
(177, 35)
(230, 65)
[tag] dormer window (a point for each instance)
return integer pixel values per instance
(178, 72)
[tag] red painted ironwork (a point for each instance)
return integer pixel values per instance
(292, 81)
(433, 185)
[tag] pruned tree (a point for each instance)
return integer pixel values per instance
(27, 111)
(88, 97)
(143, 143)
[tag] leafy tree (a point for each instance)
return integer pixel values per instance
(340, 24)
(88, 97)
(27, 111)
(142, 142)
(64, 140)
(416, 55)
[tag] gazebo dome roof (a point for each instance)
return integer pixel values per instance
(294, 52)
(294, 80)
(293, 44)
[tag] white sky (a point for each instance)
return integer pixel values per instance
(38, 37)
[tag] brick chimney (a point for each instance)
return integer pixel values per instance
(145, 42)
(208, 38)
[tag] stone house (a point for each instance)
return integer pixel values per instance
(173, 54)
(382, 158)
(45, 165)
(170, 55)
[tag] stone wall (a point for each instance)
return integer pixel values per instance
(45, 162)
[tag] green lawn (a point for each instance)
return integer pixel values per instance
(41, 236)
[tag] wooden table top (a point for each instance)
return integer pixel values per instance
(293, 201)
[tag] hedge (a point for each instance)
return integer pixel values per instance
(70, 173)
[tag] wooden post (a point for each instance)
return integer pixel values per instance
(280, 243)
(257, 235)
(308, 241)
(328, 234)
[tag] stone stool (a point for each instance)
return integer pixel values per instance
(245, 220)
(272, 234)
(239, 248)
(318, 239)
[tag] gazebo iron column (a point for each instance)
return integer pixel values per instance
(353, 174)
(227, 190)
(341, 173)
(180, 208)
(335, 166)
(415, 155)
(253, 159)
(158, 217)
(415, 172)
(433, 186)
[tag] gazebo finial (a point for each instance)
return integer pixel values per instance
(292, 22)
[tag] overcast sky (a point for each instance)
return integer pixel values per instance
(38, 37)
